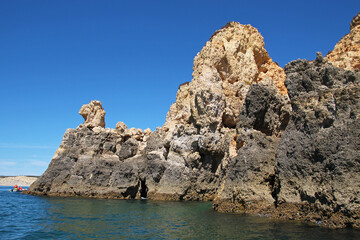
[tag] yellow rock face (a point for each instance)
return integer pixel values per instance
(346, 53)
(238, 54)
(232, 60)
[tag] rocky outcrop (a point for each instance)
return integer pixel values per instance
(238, 134)
(316, 159)
(318, 156)
(223, 72)
(187, 157)
(95, 162)
(93, 114)
(200, 129)
(249, 181)
(346, 53)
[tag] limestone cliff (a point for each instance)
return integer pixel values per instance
(223, 72)
(242, 133)
(187, 157)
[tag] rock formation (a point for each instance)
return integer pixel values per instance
(238, 134)
(224, 70)
(187, 157)
(248, 182)
(311, 171)
(346, 53)
(94, 114)
(318, 157)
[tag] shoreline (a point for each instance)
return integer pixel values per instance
(23, 181)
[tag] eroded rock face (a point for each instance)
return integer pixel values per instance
(224, 70)
(346, 53)
(201, 124)
(235, 135)
(90, 163)
(93, 114)
(318, 156)
(188, 156)
(248, 182)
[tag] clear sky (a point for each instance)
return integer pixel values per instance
(131, 55)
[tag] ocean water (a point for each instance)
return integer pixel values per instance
(32, 217)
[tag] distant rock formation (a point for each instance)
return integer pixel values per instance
(239, 134)
(22, 181)
(346, 53)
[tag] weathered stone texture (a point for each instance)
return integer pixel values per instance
(93, 114)
(235, 135)
(224, 70)
(318, 156)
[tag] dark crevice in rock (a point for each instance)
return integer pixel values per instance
(211, 160)
(182, 196)
(131, 192)
(126, 138)
(321, 197)
(143, 188)
(306, 197)
(167, 149)
(317, 156)
(274, 184)
(216, 160)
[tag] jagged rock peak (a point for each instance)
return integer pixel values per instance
(230, 62)
(238, 53)
(93, 114)
(355, 21)
(346, 53)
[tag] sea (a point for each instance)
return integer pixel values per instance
(33, 217)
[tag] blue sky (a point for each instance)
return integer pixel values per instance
(131, 55)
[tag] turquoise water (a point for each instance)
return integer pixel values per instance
(31, 217)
